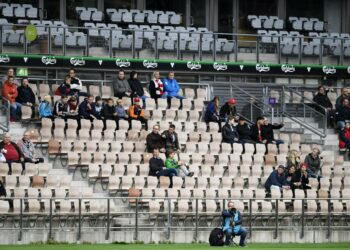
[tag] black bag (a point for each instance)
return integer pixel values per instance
(216, 237)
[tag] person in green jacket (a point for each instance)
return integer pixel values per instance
(180, 167)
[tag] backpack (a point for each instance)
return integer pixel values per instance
(216, 237)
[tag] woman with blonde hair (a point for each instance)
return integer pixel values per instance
(212, 112)
(156, 88)
(293, 158)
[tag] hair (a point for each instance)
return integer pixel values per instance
(169, 152)
(63, 96)
(172, 126)
(121, 71)
(132, 74)
(260, 118)
(216, 102)
(155, 72)
(66, 77)
(24, 78)
(155, 149)
(72, 99)
(110, 99)
(156, 125)
(74, 70)
(171, 72)
(292, 157)
(10, 77)
(318, 150)
(230, 118)
(320, 87)
(89, 95)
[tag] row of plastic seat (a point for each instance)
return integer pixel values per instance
(87, 14)
(30, 169)
(266, 22)
(36, 181)
(18, 10)
(306, 24)
(51, 182)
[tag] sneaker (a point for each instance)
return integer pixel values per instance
(190, 174)
(244, 245)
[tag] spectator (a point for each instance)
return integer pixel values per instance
(277, 179)
(157, 167)
(298, 178)
(343, 113)
(9, 91)
(61, 106)
(313, 162)
(154, 140)
(45, 108)
(172, 163)
(136, 87)
(10, 72)
(119, 109)
(65, 88)
(98, 106)
(256, 130)
(75, 84)
(251, 110)
(156, 87)
(170, 138)
(72, 108)
(344, 137)
(229, 131)
(26, 95)
(28, 149)
(11, 151)
(267, 132)
(121, 86)
(212, 112)
(137, 113)
(228, 109)
(109, 113)
(244, 131)
(171, 88)
(293, 158)
(344, 95)
(87, 108)
(322, 99)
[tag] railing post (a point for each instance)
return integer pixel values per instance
(178, 46)
(275, 235)
(133, 44)
(64, 41)
(110, 44)
(257, 51)
(136, 219)
(50, 220)
(79, 221)
(279, 50)
(108, 218)
(1, 45)
(196, 223)
(341, 61)
(300, 50)
(25, 45)
(214, 47)
(20, 220)
(250, 219)
(87, 45)
(321, 51)
(302, 218)
(236, 48)
(328, 235)
(169, 219)
(49, 41)
(156, 47)
(200, 47)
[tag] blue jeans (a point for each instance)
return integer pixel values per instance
(242, 232)
(278, 142)
(167, 172)
(15, 109)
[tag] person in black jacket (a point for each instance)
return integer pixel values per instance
(108, 113)
(343, 113)
(256, 130)
(156, 87)
(170, 138)
(87, 108)
(322, 99)
(26, 95)
(229, 131)
(297, 178)
(157, 167)
(244, 131)
(267, 132)
(154, 140)
(136, 87)
(228, 109)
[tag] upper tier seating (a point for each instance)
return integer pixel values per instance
(18, 10)
(89, 14)
(266, 22)
(306, 24)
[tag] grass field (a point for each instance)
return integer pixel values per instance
(345, 246)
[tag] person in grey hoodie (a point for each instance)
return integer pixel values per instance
(121, 86)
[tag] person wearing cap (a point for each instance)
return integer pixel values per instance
(171, 89)
(137, 113)
(45, 108)
(229, 131)
(267, 132)
(244, 131)
(228, 109)
(277, 179)
(212, 112)
(87, 108)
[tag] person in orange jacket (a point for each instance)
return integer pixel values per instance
(9, 91)
(137, 113)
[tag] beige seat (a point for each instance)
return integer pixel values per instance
(260, 194)
(106, 91)
(201, 127)
(113, 184)
(193, 116)
(175, 104)
(139, 182)
(249, 148)
(198, 104)
(202, 147)
(91, 146)
(202, 182)
(182, 115)
(201, 93)
(194, 137)
(96, 135)
(38, 182)
(126, 182)
(106, 171)
(186, 104)
(237, 148)
(94, 171)
(131, 170)
(152, 182)
(52, 181)
(177, 182)
(206, 170)
(205, 137)
(135, 158)
(98, 157)
(85, 158)
(16, 168)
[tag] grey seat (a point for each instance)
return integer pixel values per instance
(97, 16)
(175, 19)
(127, 17)
(7, 11)
(20, 12)
(139, 17)
(164, 18)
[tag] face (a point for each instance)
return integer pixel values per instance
(231, 105)
(68, 80)
(99, 102)
(346, 102)
(266, 121)
(171, 75)
(321, 91)
(171, 155)
(11, 81)
(7, 138)
(74, 103)
(71, 73)
(280, 170)
(171, 130)
(156, 153)
(155, 129)
(25, 82)
(135, 76)
(230, 205)
(65, 100)
(10, 72)
(315, 152)
(110, 103)
(120, 103)
(303, 168)
(347, 125)
(156, 75)
(292, 170)
(232, 121)
(90, 99)
(26, 136)
(121, 75)
(345, 92)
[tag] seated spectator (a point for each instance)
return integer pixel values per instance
(277, 179)
(297, 178)
(313, 162)
(76, 84)
(256, 130)
(344, 137)
(11, 151)
(87, 109)
(109, 113)
(172, 163)
(228, 109)
(137, 113)
(26, 95)
(344, 96)
(154, 140)
(157, 167)
(244, 131)
(28, 149)
(65, 88)
(10, 73)
(136, 87)
(61, 106)
(9, 91)
(121, 86)
(156, 87)
(229, 131)
(212, 112)
(170, 138)
(322, 99)
(119, 109)
(267, 132)
(72, 108)
(343, 113)
(45, 108)
(171, 89)
(293, 158)
(98, 106)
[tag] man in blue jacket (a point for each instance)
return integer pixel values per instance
(232, 224)
(277, 179)
(171, 88)
(87, 109)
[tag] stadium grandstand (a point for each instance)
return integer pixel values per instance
(141, 120)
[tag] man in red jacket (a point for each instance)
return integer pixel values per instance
(9, 91)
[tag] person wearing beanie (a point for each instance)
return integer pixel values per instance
(277, 179)
(137, 113)
(228, 109)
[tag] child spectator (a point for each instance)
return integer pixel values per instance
(137, 113)
(98, 105)
(172, 163)
(119, 109)
(109, 113)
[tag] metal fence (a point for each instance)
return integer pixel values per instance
(5, 117)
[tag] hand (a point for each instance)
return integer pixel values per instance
(264, 141)
(162, 150)
(29, 104)
(127, 93)
(115, 114)
(286, 187)
(297, 184)
(273, 142)
(93, 117)
(180, 163)
(236, 139)
(60, 113)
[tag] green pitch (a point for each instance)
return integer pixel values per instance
(345, 246)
